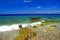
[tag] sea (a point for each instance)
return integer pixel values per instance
(9, 19)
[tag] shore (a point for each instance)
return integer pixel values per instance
(11, 35)
(41, 35)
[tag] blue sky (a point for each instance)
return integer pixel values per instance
(29, 6)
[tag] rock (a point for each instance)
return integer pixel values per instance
(20, 26)
(25, 33)
(34, 26)
(52, 27)
(35, 19)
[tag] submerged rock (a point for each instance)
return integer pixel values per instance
(35, 19)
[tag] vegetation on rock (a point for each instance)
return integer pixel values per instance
(25, 34)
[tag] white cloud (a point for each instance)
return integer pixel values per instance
(38, 7)
(27, 1)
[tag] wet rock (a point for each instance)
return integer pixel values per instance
(20, 26)
(35, 19)
(34, 26)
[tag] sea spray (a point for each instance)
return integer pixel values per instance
(15, 26)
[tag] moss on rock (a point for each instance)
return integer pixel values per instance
(25, 33)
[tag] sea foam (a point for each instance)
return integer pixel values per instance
(15, 26)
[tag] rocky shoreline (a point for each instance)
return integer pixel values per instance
(53, 35)
(11, 35)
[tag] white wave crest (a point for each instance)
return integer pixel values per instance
(15, 26)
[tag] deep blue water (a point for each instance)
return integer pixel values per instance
(24, 18)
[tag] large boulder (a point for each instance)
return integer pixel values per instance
(25, 34)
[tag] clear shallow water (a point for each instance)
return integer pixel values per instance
(14, 19)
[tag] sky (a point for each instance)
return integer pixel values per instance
(29, 6)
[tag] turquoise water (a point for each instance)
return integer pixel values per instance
(5, 20)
